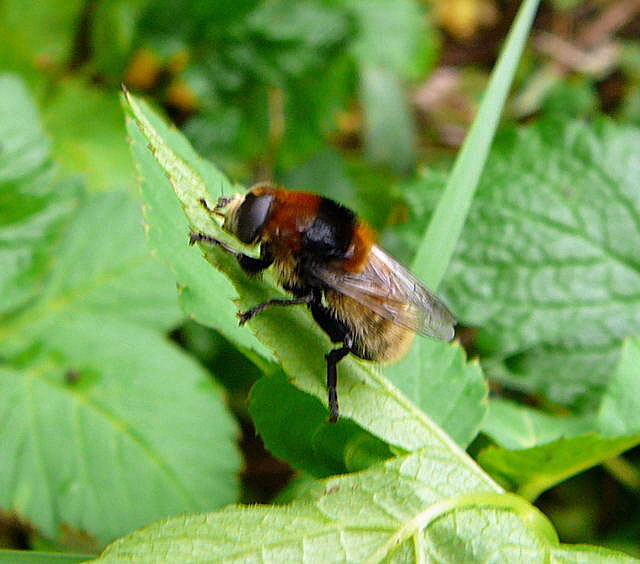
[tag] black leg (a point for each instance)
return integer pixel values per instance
(333, 357)
(255, 310)
(329, 323)
(196, 236)
(204, 204)
(338, 332)
(250, 265)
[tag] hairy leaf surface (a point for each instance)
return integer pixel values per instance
(548, 264)
(407, 510)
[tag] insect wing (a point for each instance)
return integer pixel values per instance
(390, 290)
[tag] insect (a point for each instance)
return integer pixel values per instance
(326, 258)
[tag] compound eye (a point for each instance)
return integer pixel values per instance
(252, 216)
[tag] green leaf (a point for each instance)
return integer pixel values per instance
(296, 342)
(531, 471)
(85, 368)
(437, 378)
(299, 344)
(407, 510)
(33, 208)
(98, 417)
(619, 412)
(81, 145)
(92, 411)
(514, 426)
(205, 294)
(445, 227)
(31, 557)
(102, 268)
(548, 264)
(293, 426)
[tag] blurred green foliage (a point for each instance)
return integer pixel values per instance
(365, 101)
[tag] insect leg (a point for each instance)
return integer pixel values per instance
(255, 310)
(338, 332)
(333, 357)
(251, 265)
(222, 201)
(329, 323)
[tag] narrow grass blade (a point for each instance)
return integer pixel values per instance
(439, 242)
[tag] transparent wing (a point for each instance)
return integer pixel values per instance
(390, 290)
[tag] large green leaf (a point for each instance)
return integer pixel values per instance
(98, 431)
(79, 451)
(96, 321)
(96, 407)
(548, 264)
(410, 509)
